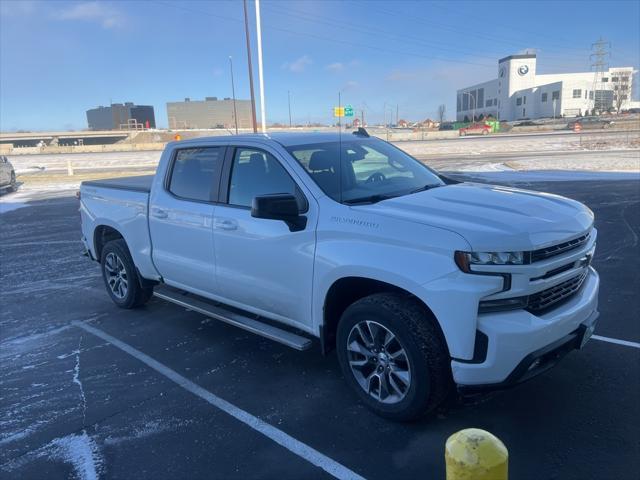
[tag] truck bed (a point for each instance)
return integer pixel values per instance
(140, 183)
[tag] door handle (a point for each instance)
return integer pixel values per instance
(227, 224)
(159, 213)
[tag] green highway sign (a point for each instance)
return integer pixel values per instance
(348, 111)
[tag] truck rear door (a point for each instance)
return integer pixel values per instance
(181, 218)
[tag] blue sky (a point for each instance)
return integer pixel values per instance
(58, 58)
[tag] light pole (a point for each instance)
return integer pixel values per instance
(263, 115)
(253, 98)
(233, 92)
(473, 118)
(289, 102)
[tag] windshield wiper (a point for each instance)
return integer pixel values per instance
(425, 187)
(378, 197)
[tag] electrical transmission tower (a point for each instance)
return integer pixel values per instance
(600, 65)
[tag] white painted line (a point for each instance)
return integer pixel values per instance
(294, 446)
(626, 343)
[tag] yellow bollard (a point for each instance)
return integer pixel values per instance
(474, 454)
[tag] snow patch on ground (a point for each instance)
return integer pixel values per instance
(81, 451)
(545, 175)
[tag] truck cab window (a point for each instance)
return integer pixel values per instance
(194, 173)
(254, 173)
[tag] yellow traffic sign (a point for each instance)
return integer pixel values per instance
(338, 111)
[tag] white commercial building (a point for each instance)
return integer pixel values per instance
(519, 93)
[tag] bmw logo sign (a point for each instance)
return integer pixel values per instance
(523, 70)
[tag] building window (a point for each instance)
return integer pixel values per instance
(605, 79)
(489, 103)
(623, 97)
(524, 100)
(524, 112)
(480, 97)
(519, 101)
(459, 103)
(591, 95)
(544, 97)
(614, 79)
(577, 93)
(624, 87)
(555, 95)
(465, 101)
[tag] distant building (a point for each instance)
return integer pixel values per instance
(520, 93)
(121, 116)
(208, 113)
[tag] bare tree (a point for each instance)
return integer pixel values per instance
(442, 110)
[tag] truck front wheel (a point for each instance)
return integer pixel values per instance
(121, 277)
(393, 356)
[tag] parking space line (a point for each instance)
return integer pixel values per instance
(295, 446)
(626, 343)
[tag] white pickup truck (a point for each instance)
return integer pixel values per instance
(419, 282)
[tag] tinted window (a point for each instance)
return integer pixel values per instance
(195, 172)
(350, 170)
(254, 173)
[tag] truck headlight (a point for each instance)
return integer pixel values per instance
(464, 260)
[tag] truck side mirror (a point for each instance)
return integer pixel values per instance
(279, 206)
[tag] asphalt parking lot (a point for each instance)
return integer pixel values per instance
(76, 404)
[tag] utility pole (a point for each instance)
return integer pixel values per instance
(397, 117)
(253, 98)
(600, 64)
(233, 93)
(289, 102)
(263, 114)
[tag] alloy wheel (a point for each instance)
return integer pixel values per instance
(379, 362)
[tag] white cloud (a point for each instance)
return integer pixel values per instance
(95, 11)
(350, 85)
(335, 67)
(24, 7)
(298, 65)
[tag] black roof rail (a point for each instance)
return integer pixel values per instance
(361, 132)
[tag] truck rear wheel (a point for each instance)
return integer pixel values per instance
(121, 277)
(393, 356)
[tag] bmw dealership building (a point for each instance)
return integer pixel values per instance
(520, 93)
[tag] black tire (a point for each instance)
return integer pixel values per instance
(426, 352)
(135, 295)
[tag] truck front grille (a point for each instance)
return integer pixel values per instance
(559, 248)
(541, 301)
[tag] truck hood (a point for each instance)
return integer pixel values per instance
(492, 218)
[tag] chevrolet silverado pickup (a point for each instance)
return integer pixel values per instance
(422, 284)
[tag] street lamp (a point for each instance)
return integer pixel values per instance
(473, 118)
(233, 92)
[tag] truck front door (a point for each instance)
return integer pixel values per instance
(181, 219)
(260, 263)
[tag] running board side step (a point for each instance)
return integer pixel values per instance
(205, 307)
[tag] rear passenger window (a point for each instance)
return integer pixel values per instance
(195, 173)
(256, 172)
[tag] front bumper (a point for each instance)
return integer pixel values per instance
(520, 345)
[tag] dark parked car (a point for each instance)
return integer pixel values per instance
(446, 126)
(590, 123)
(527, 123)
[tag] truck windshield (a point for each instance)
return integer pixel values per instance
(363, 170)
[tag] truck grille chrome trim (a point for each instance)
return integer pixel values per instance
(543, 300)
(553, 250)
